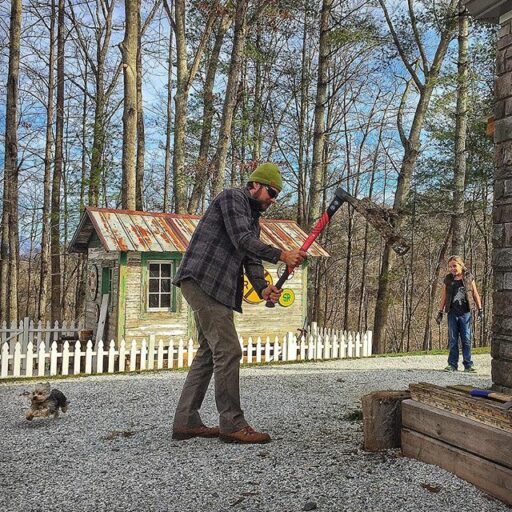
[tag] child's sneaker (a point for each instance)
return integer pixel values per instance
(450, 368)
(471, 369)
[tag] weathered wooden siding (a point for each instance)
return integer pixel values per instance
(141, 323)
(97, 256)
(258, 320)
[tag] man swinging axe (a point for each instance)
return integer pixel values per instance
(224, 245)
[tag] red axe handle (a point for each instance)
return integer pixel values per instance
(339, 199)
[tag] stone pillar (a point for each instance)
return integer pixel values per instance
(501, 347)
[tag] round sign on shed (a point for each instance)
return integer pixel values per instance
(287, 298)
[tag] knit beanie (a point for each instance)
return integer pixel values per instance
(267, 174)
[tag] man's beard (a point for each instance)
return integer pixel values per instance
(263, 205)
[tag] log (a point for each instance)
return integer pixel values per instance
(382, 419)
(460, 403)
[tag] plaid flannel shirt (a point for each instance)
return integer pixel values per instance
(225, 242)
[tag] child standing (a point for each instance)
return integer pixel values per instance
(459, 288)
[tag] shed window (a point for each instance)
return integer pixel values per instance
(160, 289)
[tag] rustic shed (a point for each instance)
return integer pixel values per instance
(132, 258)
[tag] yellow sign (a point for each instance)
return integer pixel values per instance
(287, 298)
(250, 294)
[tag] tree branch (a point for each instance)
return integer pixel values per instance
(417, 37)
(400, 115)
(169, 15)
(212, 16)
(400, 48)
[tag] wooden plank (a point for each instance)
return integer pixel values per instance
(121, 296)
(471, 436)
(459, 403)
(101, 321)
(487, 476)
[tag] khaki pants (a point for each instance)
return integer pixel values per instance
(219, 353)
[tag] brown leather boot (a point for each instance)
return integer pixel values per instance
(188, 433)
(247, 435)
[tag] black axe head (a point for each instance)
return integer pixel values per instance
(380, 218)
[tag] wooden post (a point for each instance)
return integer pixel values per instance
(382, 419)
(121, 296)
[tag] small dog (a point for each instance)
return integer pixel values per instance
(45, 402)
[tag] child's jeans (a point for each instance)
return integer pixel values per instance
(459, 326)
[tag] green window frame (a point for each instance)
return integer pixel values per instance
(159, 294)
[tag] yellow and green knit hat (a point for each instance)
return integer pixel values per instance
(268, 174)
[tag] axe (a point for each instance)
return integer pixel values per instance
(500, 397)
(378, 217)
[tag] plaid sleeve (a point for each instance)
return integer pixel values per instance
(239, 227)
(255, 273)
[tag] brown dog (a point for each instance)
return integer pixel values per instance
(45, 402)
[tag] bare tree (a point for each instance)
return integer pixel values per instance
(317, 183)
(184, 78)
(168, 127)
(48, 153)
(461, 122)
(202, 165)
(129, 55)
(235, 66)
(411, 141)
(9, 250)
(141, 140)
(55, 243)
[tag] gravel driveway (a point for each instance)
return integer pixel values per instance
(113, 449)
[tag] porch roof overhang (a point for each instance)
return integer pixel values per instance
(129, 230)
(488, 10)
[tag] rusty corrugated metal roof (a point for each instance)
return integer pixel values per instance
(127, 230)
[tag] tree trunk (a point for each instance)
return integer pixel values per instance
(167, 162)
(180, 109)
(57, 172)
(141, 140)
(184, 79)
(231, 93)
(316, 185)
(129, 54)
(362, 300)
(459, 177)
(98, 142)
(31, 260)
(202, 166)
(66, 278)
(303, 143)
(45, 238)
(257, 111)
(4, 247)
(9, 243)
(83, 177)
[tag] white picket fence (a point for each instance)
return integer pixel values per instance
(77, 358)
(27, 331)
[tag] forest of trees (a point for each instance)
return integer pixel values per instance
(158, 105)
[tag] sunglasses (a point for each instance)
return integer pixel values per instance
(272, 192)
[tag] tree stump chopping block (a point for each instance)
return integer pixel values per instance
(382, 419)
